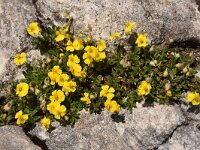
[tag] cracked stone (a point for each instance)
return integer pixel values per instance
(145, 128)
(39, 132)
(184, 138)
(15, 17)
(175, 19)
(13, 138)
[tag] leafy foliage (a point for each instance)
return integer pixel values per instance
(126, 65)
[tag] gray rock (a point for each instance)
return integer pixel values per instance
(152, 126)
(39, 132)
(177, 19)
(184, 138)
(145, 128)
(15, 17)
(13, 138)
(190, 111)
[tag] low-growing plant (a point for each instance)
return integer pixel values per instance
(79, 73)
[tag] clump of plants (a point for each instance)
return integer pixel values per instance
(79, 73)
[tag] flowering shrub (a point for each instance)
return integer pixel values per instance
(81, 73)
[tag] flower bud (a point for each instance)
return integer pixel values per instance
(66, 93)
(42, 103)
(61, 55)
(167, 86)
(44, 86)
(191, 54)
(37, 91)
(177, 55)
(169, 93)
(60, 61)
(43, 65)
(165, 73)
(148, 79)
(153, 63)
(41, 98)
(46, 81)
(48, 60)
(152, 48)
(185, 70)
(31, 89)
(7, 106)
(179, 65)
(93, 96)
(125, 63)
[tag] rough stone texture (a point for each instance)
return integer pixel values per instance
(13, 138)
(162, 19)
(39, 132)
(145, 128)
(15, 16)
(190, 111)
(184, 138)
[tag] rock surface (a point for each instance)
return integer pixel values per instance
(13, 138)
(145, 128)
(177, 19)
(184, 138)
(39, 132)
(15, 16)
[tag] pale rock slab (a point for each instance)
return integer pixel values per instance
(161, 19)
(184, 138)
(15, 17)
(145, 128)
(13, 138)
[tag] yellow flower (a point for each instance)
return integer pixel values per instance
(21, 118)
(57, 70)
(114, 35)
(129, 26)
(45, 122)
(51, 107)
(169, 93)
(59, 37)
(193, 98)
(101, 45)
(69, 86)
(107, 92)
(22, 89)
(141, 40)
(86, 98)
(60, 111)
(87, 58)
(33, 29)
(53, 76)
(91, 50)
(100, 56)
(57, 95)
(144, 88)
(78, 44)
(70, 46)
(20, 59)
(87, 39)
(61, 79)
(61, 55)
(81, 74)
(62, 33)
(75, 68)
(112, 105)
(72, 59)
